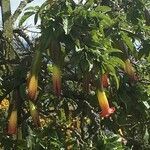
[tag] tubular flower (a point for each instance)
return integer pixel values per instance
(129, 69)
(34, 113)
(56, 79)
(105, 80)
(32, 87)
(103, 102)
(12, 123)
(32, 81)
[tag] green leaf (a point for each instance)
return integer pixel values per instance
(146, 136)
(106, 20)
(103, 9)
(115, 79)
(145, 49)
(32, 8)
(25, 17)
(85, 63)
(109, 67)
(115, 61)
(67, 24)
(36, 18)
(113, 50)
(146, 104)
(127, 40)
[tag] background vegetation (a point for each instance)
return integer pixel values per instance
(49, 85)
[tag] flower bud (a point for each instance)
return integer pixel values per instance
(105, 80)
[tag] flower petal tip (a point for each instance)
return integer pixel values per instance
(108, 112)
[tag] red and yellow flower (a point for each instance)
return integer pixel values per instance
(104, 105)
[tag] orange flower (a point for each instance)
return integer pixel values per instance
(105, 80)
(103, 102)
(12, 123)
(56, 78)
(32, 87)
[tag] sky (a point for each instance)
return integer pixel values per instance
(15, 3)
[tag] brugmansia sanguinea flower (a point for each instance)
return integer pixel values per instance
(12, 123)
(34, 113)
(129, 69)
(105, 80)
(32, 81)
(104, 105)
(32, 87)
(56, 79)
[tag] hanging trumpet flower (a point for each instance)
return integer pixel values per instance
(34, 113)
(56, 79)
(32, 85)
(12, 123)
(57, 56)
(13, 109)
(104, 105)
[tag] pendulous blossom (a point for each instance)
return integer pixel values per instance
(12, 123)
(104, 105)
(32, 87)
(56, 79)
(34, 114)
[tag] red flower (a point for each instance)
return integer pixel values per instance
(105, 80)
(103, 102)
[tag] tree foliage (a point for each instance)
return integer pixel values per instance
(88, 85)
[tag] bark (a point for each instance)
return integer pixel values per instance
(8, 30)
